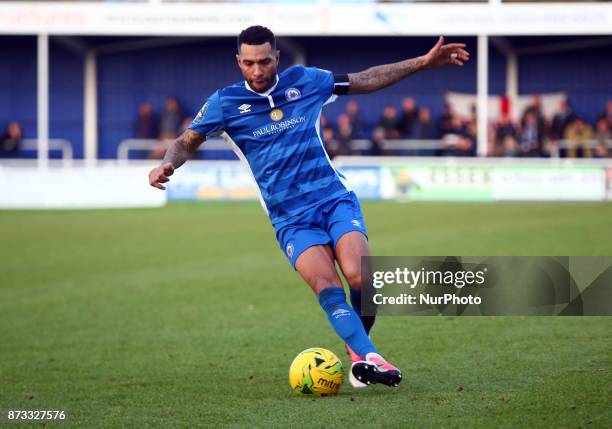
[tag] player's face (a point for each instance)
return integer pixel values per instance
(258, 64)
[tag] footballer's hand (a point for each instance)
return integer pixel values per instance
(160, 175)
(441, 54)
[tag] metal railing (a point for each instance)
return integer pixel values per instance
(126, 146)
(405, 145)
(62, 145)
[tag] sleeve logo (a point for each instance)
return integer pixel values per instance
(201, 113)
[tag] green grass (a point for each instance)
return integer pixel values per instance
(189, 316)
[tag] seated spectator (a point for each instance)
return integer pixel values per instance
(578, 135)
(423, 128)
(378, 139)
(561, 120)
(602, 135)
(352, 110)
(607, 114)
(456, 140)
(444, 122)
(10, 139)
(388, 122)
(408, 117)
(345, 135)
(170, 119)
(471, 125)
(531, 136)
(145, 126)
(505, 137)
(328, 132)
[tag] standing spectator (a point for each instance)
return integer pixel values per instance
(534, 108)
(352, 110)
(408, 117)
(145, 126)
(602, 135)
(388, 122)
(579, 133)
(10, 139)
(531, 137)
(170, 119)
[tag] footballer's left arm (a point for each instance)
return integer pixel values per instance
(379, 77)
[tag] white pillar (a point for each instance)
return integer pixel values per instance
(42, 98)
(512, 83)
(483, 92)
(90, 120)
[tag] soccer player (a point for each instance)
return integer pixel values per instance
(272, 121)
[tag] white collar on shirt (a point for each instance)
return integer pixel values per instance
(263, 94)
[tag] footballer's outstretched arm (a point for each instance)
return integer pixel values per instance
(379, 77)
(176, 155)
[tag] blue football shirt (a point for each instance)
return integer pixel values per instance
(277, 134)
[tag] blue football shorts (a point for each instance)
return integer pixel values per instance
(320, 225)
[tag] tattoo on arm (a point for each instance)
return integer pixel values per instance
(183, 147)
(380, 77)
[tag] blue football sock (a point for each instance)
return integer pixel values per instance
(345, 320)
(367, 321)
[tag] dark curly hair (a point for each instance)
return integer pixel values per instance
(256, 35)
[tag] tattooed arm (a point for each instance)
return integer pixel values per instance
(176, 155)
(379, 77)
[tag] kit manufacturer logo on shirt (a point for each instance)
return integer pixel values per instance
(245, 108)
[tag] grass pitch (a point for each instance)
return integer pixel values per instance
(189, 316)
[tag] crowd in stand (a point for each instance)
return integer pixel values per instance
(534, 135)
(166, 126)
(564, 134)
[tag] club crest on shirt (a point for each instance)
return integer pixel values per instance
(292, 94)
(276, 115)
(290, 249)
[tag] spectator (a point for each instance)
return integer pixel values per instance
(352, 110)
(444, 123)
(345, 135)
(388, 122)
(608, 115)
(10, 139)
(378, 139)
(145, 126)
(531, 136)
(408, 117)
(471, 125)
(456, 140)
(534, 108)
(423, 128)
(561, 121)
(579, 133)
(505, 137)
(328, 132)
(602, 135)
(170, 119)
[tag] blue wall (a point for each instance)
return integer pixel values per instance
(585, 75)
(18, 84)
